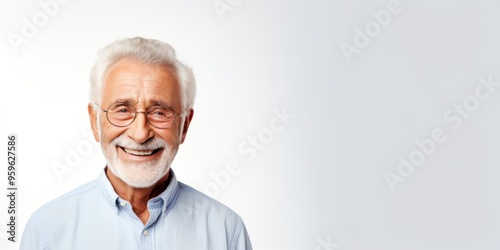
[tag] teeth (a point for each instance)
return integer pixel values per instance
(138, 152)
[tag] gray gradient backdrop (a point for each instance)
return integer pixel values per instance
(404, 90)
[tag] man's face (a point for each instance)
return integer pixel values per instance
(139, 154)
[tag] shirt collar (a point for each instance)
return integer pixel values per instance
(168, 196)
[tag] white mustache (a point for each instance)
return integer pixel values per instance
(153, 144)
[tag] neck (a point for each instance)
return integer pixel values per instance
(138, 197)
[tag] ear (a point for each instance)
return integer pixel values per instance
(93, 121)
(185, 126)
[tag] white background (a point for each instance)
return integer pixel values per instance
(319, 183)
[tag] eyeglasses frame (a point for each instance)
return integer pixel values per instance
(139, 112)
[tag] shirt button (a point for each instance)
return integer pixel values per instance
(146, 232)
(123, 204)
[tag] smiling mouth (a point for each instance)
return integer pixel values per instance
(140, 152)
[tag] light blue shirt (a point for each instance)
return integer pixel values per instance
(94, 217)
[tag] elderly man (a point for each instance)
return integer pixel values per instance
(140, 111)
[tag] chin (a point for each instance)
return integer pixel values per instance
(142, 175)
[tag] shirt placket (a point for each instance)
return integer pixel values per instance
(147, 237)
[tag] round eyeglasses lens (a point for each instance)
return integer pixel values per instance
(161, 116)
(120, 114)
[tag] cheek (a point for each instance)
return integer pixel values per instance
(171, 137)
(109, 133)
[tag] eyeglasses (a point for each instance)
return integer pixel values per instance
(123, 114)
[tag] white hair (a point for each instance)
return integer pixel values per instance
(149, 51)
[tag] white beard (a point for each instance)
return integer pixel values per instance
(139, 175)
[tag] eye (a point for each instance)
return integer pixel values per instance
(123, 109)
(160, 112)
(120, 109)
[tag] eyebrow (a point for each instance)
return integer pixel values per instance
(161, 103)
(124, 101)
(131, 101)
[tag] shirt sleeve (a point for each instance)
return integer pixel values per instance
(242, 240)
(33, 236)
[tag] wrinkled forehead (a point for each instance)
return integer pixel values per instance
(140, 92)
(140, 84)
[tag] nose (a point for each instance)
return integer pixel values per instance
(140, 129)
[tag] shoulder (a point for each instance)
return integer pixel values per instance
(201, 204)
(57, 216)
(207, 213)
(191, 195)
(73, 198)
